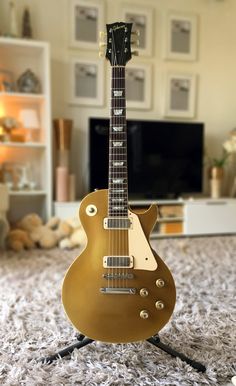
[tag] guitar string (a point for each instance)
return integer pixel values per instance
(125, 232)
(113, 119)
(118, 244)
(122, 103)
(120, 168)
(110, 269)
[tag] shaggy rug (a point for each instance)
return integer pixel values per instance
(33, 323)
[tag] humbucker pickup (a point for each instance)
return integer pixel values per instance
(117, 223)
(118, 262)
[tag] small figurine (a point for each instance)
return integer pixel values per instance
(28, 83)
(8, 124)
(26, 25)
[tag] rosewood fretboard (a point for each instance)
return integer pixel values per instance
(118, 176)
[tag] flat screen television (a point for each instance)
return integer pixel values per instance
(165, 158)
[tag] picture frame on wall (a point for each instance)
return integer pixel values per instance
(138, 86)
(181, 37)
(86, 82)
(86, 21)
(180, 95)
(142, 22)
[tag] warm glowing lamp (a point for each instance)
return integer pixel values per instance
(30, 121)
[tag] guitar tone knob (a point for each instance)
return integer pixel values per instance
(160, 283)
(144, 314)
(143, 292)
(159, 305)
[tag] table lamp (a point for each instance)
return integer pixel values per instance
(30, 121)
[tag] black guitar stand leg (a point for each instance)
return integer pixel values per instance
(156, 341)
(82, 341)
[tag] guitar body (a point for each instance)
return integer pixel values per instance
(117, 317)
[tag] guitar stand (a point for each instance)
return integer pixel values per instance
(155, 340)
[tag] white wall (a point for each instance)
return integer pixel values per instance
(215, 67)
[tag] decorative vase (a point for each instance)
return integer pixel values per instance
(62, 181)
(216, 172)
(63, 130)
(216, 175)
(13, 20)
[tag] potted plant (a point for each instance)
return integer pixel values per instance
(216, 170)
(216, 174)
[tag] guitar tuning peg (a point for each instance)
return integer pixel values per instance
(135, 43)
(135, 33)
(101, 54)
(102, 45)
(102, 35)
(135, 53)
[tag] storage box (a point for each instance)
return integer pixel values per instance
(171, 227)
(171, 210)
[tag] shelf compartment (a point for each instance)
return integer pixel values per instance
(23, 144)
(171, 228)
(27, 193)
(21, 97)
(170, 219)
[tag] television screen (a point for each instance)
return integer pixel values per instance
(165, 158)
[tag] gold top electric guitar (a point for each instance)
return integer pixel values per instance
(118, 289)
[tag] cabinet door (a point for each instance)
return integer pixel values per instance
(210, 217)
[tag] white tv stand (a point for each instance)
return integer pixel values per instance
(180, 217)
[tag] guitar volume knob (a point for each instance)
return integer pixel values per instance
(143, 292)
(144, 314)
(159, 305)
(160, 283)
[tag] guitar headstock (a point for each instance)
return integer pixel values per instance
(119, 38)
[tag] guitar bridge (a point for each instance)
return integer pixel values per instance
(118, 291)
(118, 276)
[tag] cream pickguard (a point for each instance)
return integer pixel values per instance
(139, 247)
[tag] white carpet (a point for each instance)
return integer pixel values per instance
(33, 323)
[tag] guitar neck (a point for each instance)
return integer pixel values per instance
(118, 174)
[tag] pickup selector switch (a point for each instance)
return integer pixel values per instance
(144, 314)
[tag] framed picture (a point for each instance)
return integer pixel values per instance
(142, 22)
(180, 95)
(6, 81)
(86, 21)
(86, 82)
(181, 39)
(138, 86)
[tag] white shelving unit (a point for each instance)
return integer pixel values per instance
(204, 216)
(16, 56)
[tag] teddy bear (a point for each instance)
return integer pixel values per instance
(18, 239)
(44, 236)
(77, 238)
